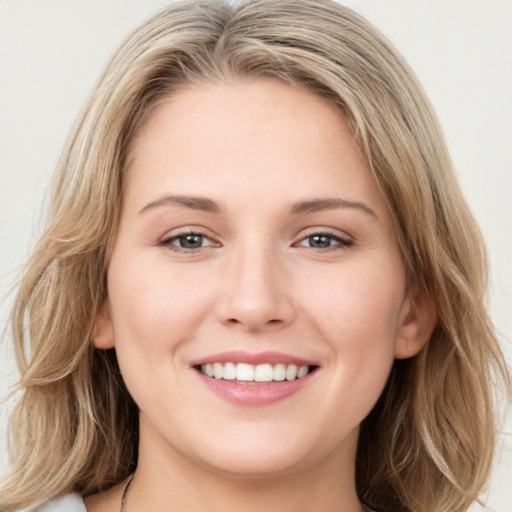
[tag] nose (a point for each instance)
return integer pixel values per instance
(256, 295)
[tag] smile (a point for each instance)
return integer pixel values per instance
(244, 373)
(255, 379)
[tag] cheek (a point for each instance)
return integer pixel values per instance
(153, 310)
(357, 312)
(356, 315)
(154, 313)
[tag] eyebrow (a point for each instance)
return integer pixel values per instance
(192, 202)
(316, 205)
(300, 208)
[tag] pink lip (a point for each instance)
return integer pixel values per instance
(254, 395)
(239, 356)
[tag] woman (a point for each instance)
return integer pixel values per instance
(259, 285)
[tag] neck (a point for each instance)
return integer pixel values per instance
(168, 481)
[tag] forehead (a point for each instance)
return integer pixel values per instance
(238, 111)
(253, 138)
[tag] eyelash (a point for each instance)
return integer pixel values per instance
(168, 242)
(340, 242)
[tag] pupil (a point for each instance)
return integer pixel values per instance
(191, 241)
(319, 241)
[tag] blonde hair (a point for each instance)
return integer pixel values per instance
(428, 443)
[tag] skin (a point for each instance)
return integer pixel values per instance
(258, 282)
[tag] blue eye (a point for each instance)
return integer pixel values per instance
(191, 241)
(187, 241)
(324, 241)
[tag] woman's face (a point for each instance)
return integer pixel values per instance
(253, 241)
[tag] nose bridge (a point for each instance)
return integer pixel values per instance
(255, 294)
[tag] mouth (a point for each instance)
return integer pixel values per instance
(255, 379)
(250, 374)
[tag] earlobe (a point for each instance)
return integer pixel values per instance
(419, 321)
(104, 331)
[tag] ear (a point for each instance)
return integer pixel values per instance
(104, 330)
(418, 323)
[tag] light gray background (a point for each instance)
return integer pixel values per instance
(52, 51)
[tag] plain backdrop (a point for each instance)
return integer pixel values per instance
(52, 51)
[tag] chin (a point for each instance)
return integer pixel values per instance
(257, 465)
(262, 456)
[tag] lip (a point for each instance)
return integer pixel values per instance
(254, 394)
(255, 358)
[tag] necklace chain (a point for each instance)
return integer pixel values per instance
(130, 480)
(125, 493)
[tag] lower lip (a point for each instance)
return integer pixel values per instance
(257, 394)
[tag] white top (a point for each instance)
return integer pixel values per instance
(67, 503)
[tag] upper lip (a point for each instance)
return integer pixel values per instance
(254, 358)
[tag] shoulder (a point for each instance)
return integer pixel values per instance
(67, 503)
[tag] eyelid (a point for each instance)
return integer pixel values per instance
(343, 240)
(177, 233)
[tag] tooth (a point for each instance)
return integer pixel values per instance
(244, 371)
(302, 372)
(279, 372)
(229, 371)
(291, 372)
(218, 370)
(260, 373)
(263, 373)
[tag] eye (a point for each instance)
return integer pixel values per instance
(324, 240)
(187, 241)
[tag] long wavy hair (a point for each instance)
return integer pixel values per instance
(428, 443)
